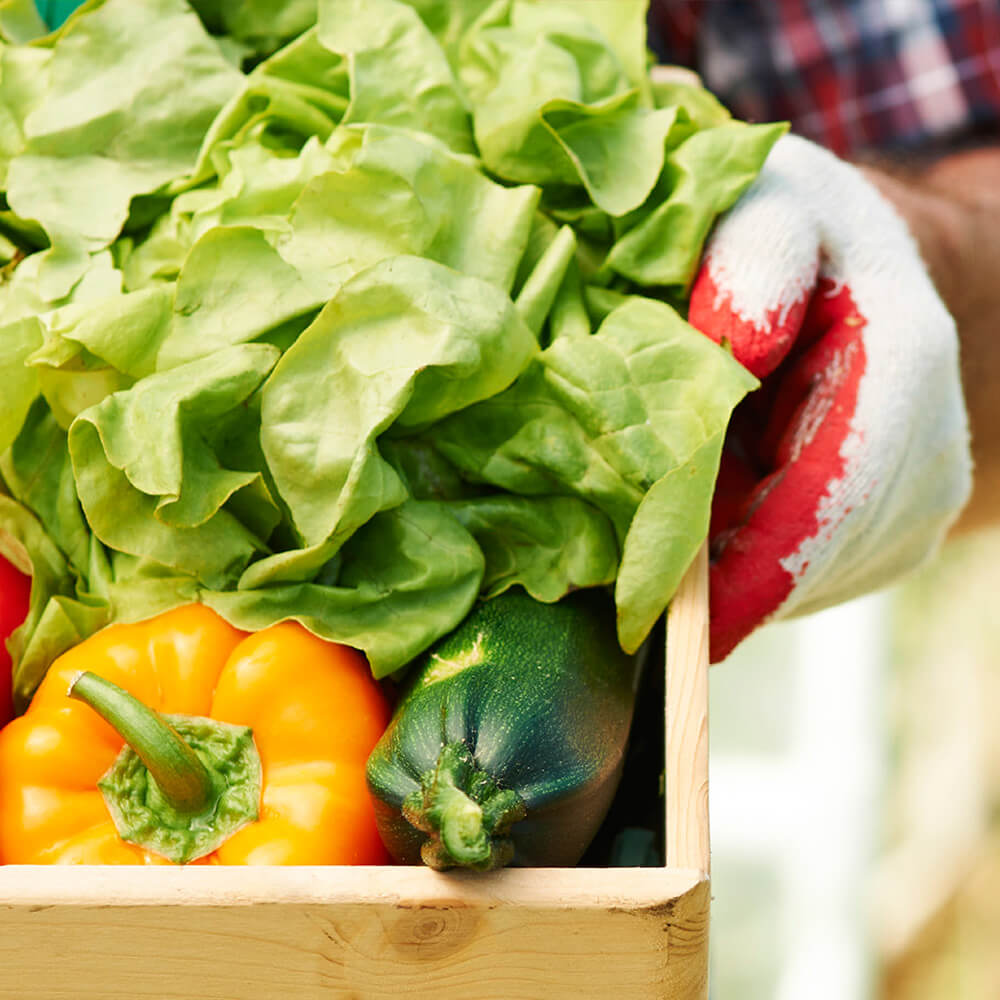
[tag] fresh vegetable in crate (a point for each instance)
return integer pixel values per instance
(355, 322)
(507, 744)
(356, 315)
(182, 739)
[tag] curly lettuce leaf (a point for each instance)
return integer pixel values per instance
(405, 342)
(399, 74)
(261, 25)
(361, 331)
(395, 192)
(547, 545)
(60, 613)
(18, 341)
(149, 482)
(611, 420)
(407, 577)
(37, 472)
(702, 177)
(234, 287)
(123, 112)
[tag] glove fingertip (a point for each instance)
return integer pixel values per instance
(759, 347)
(742, 596)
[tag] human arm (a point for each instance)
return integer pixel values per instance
(952, 207)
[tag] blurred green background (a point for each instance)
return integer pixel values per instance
(855, 795)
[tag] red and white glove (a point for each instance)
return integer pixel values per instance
(848, 465)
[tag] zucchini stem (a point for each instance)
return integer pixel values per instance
(465, 814)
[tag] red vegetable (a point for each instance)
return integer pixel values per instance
(15, 589)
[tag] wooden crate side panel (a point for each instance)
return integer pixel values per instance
(686, 722)
(305, 933)
(301, 950)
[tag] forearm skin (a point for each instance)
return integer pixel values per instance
(953, 210)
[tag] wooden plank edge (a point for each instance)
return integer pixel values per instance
(534, 888)
(686, 727)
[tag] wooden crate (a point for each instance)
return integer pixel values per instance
(216, 933)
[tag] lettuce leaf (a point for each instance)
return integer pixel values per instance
(405, 342)
(150, 484)
(123, 111)
(630, 421)
(353, 313)
(407, 577)
(399, 74)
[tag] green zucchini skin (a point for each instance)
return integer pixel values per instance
(535, 702)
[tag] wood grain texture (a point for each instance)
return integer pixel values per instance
(216, 933)
(686, 766)
(311, 933)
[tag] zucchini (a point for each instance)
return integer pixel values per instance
(507, 743)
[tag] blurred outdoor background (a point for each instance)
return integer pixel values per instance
(855, 796)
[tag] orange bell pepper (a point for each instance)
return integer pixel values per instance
(280, 723)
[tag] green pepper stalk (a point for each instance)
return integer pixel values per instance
(182, 784)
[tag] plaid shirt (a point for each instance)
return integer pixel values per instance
(853, 75)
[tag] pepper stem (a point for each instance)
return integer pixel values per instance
(182, 785)
(173, 765)
(466, 815)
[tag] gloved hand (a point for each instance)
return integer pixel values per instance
(851, 461)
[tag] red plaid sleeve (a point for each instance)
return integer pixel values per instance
(853, 75)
